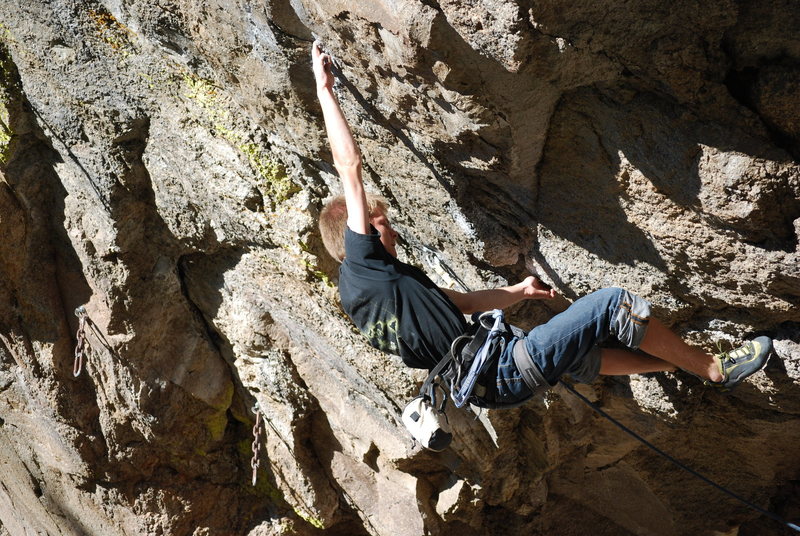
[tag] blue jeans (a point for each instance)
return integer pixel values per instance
(569, 342)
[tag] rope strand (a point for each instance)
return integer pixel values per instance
(676, 462)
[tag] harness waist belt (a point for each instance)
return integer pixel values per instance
(531, 374)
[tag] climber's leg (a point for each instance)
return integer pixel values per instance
(660, 342)
(620, 362)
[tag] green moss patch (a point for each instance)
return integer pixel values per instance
(318, 523)
(273, 182)
(216, 425)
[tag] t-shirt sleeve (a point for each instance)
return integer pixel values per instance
(364, 248)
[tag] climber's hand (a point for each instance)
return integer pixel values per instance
(535, 289)
(322, 67)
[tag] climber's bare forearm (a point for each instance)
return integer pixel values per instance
(343, 145)
(483, 300)
(499, 298)
(346, 156)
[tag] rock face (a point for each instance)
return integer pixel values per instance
(163, 163)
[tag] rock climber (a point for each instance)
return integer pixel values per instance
(401, 311)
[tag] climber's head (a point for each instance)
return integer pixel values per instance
(380, 221)
(333, 220)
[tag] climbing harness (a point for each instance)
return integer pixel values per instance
(463, 389)
(676, 462)
(471, 355)
(82, 347)
(257, 427)
(531, 373)
(474, 353)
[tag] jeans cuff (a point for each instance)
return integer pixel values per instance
(630, 321)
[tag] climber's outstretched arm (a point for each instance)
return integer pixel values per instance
(499, 298)
(346, 156)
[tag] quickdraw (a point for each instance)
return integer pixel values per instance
(82, 347)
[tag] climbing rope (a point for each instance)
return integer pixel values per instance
(257, 427)
(676, 462)
(82, 346)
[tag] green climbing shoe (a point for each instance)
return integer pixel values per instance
(740, 363)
